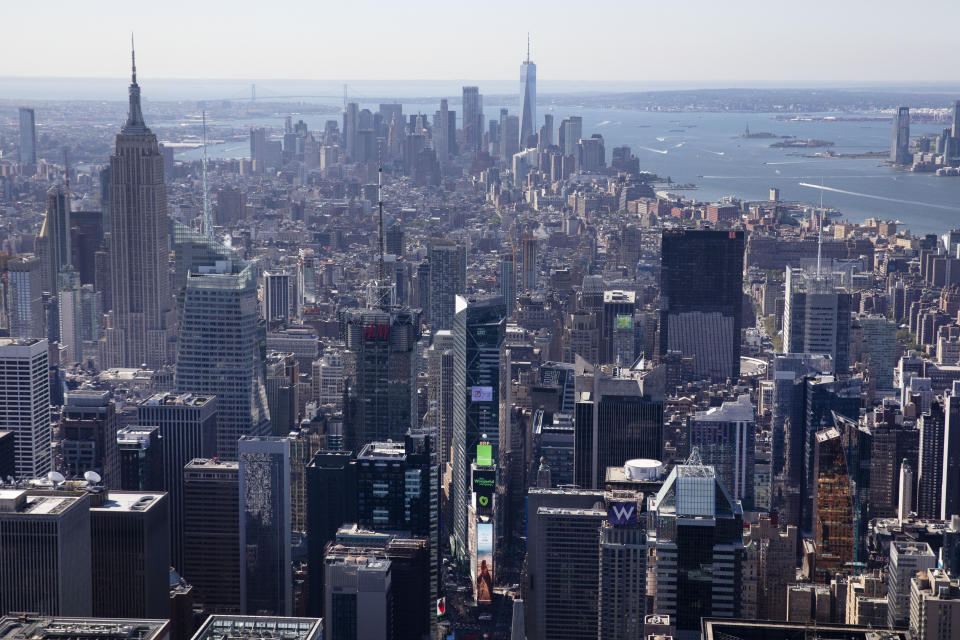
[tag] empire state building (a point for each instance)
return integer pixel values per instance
(141, 330)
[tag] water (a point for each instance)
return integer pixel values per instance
(702, 148)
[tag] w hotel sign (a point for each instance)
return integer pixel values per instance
(622, 514)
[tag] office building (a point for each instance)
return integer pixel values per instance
(54, 242)
(394, 238)
(530, 269)
(616, 419)
(28, 140)
(88, 436)
(130, 555)
(950, 484)
(358, 595)
(616, 319)
(721, 629)
(622, 588)
(528, 103)
(25, 404)
(448, 278)
(561, 586)
(591, 154)
(278, 301)
(816, 317)
(900, 137)
(379, 373)
(906, 560)
(234, 371)
(880, 336)
(211, 536)
(331, 501)
(725, 437)
(479, 328)
(45, 553)
(187, 430)
(930, 477)
(834, 526)
(472, 118)
(701, 289)
(24, 297)
(769, 566)
(934, 606)
(234, 627)
(283, 392)
(266, 586)
(140, 452)
(31, 627)
(569, 134)
(143, 322)
(698, 532)
(394, 486)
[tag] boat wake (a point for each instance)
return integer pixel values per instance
(876, 197)
(655, 150)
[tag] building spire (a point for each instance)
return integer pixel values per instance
(133, 60)
(528, 46)
(135, 122)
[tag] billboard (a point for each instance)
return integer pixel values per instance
(622, 514)
(483, 582)
(624, 322)
(484, 455)
(481, 394)
(484, 485)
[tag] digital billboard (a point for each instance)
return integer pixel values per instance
(484, 485)
(481, 394)
(483, 583)
(624, 322)
(484, 455)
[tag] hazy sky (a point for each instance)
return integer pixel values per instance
(733, 42)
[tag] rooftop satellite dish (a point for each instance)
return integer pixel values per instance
(92, 477)
(56, 477)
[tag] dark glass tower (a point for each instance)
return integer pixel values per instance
(701, 305)
(479, 327)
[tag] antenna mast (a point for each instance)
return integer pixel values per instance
(820, 231)
(66, 172)
(528, 46)
(207, 217)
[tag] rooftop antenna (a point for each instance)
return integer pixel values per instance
(380, 274)
(820, 230)
(133, 59)
(207, 217)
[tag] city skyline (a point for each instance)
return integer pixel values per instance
(853, 55)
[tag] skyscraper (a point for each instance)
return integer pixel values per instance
(508, 282)
(616, 419)
(834, 530)
(25, 404)
(188, 426)
(379, 371)
(24, 297)
(950, 484)
(233, 370)
(698, 548)
(130, 555)
(88, 436)
(932, 425)
(28, 138)
(907, 558)
(142, 331)
(528, 102)
(816, 317)
(45, 553)
(277, 303)
(265, 577)
(900, 137)
(569, 134)
(479, 328)
(211, 549)
(53, 244)
(701, 289)
(472, 117)
(725, 437)
(448, 277)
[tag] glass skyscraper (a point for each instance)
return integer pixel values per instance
(528, 102)
(479, 327)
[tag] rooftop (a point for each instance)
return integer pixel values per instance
(41, 628)
(230, 627)
(129, 501)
